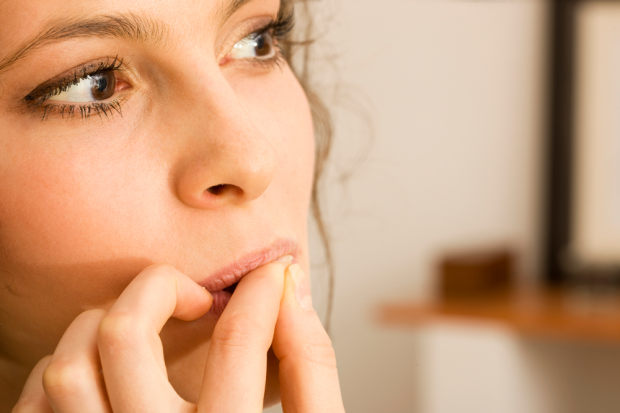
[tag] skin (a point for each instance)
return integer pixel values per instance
(107, 227)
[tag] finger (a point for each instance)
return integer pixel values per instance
(236, 368)
(129, 345)
(308, 375)
(72, 380)
(33, 398)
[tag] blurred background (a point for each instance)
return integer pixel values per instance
(473, 225)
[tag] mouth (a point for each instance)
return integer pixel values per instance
(223, 283)
(231, 289)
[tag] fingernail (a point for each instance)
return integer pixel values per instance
(286, 259)
(302, 287)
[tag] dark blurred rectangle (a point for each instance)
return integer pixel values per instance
(472, 273)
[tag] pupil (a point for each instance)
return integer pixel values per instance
(262, 47)
(103, 85)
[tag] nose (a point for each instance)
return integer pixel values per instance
(228, 160)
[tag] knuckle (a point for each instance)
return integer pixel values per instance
(90, 316)
(159, 271)
(318, 351)
(159, 274)
(117, 331)
(235, 333)
(63, 378)
(322, 353)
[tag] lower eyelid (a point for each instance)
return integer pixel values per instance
(84, 111)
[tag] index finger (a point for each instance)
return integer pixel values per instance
(131, 350)
(236, 368)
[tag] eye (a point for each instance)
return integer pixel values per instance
(256, 45)
(92, 88)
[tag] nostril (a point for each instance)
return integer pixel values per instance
(225, 190)
(217, 189)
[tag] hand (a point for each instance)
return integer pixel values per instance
(123, 345)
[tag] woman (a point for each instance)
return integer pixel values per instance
(156, 166)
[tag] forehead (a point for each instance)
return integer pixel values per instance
(20, 19)
(25, 18)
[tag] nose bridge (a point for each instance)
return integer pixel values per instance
(228, 159)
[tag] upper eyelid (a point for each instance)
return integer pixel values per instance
(79, 72)
(86, 69)
(258, 25)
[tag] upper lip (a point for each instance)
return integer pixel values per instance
(232, 273)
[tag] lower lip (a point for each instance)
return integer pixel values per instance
(220, 301)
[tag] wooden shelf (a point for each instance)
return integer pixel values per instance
(552, 313)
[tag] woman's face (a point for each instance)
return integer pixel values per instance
(190, 144)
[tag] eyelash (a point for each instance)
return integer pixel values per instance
(36, 100)
(280, 28)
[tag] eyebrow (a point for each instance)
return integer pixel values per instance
(142, 29)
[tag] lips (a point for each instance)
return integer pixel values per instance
(223, 282)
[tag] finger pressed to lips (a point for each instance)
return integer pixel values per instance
(308, 376)
(262, 310)
(236, 366)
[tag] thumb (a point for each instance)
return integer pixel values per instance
(308, 375)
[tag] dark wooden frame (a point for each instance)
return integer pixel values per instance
(560, 138)
(560, 143)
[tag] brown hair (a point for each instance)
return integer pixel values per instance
(297, 53)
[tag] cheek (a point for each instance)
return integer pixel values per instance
(78, 220)
(65, 203)
(280, 110)
(53, 201)
(57, 205)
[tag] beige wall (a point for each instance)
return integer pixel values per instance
(455, 92)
